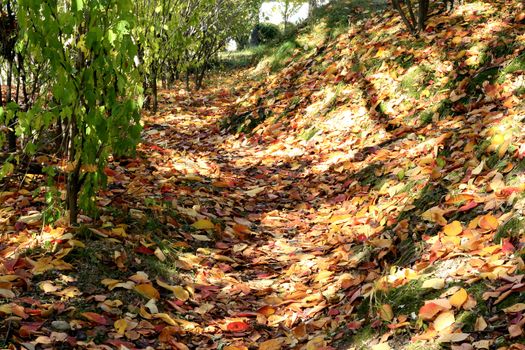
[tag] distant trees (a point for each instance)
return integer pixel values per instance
(180, 39)
(289, 8)
(76, 71)
(312, 5)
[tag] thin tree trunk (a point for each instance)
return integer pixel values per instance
(154, 90)
(73, 179)
(11, 136)
(399, 9)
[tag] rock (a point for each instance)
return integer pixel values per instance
(60, 326)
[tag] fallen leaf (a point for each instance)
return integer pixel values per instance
(459, 298)
(453, 229)
(147, 290)
(203, 224)
(238, 326)
(488, 222)
(386, 313)
(444, 320)
(94, 317)
(433, 283)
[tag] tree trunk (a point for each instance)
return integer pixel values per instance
(154, 90)
(312, 5)
(73, 178)
(11, 136)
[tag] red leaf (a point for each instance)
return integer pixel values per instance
(94, 317)
(237, 326)
(353, 325)
(507, 247)
(144, 250)
(468, 206)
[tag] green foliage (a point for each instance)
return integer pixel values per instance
(267, 32)
(88, 48)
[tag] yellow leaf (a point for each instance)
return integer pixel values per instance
(435, 214)
(179, 292)
(120, 326)
(316, 343)
(434, 283)
(203, 224)
(453, 229)
(272, 344)
(488, 222)
(459, 298)
(6, 293)
(381, 346)
(480, 325)
(444, 320)
(166, 318)
(515, 308)
(147, 290)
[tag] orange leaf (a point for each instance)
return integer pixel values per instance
(453, 229)
(429, 310)
(147, 290)
(459, 298)
(266, 310)
(488, 222)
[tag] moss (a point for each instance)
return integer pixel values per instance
(467, 319)
(308, 134)
(156, 268)
(413, 81)
(407, 299)
(282, 55)
(514, 298)
(362, 338)
(513, 228)
(517, 64)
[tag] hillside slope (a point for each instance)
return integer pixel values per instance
(410, 160)
(358, 189)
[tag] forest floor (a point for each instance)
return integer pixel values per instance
(368, 194)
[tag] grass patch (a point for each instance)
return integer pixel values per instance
(414, 81)
(282, 56)
(407, 299)
(156, 268)
(513, 228)
(242, 58)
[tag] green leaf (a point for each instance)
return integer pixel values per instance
(79, 5)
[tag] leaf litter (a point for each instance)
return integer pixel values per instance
(364, 178)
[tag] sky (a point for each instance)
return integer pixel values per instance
(270, 13)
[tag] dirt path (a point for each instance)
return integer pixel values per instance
(267, 267)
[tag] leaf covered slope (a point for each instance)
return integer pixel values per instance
(371, 197)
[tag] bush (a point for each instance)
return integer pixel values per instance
(264, 33)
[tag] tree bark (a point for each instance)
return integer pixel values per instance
(11, 136)
(312, 5)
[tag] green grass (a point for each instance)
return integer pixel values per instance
(243, 58)
(414, 80)
(513, 228)
(282, 55)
